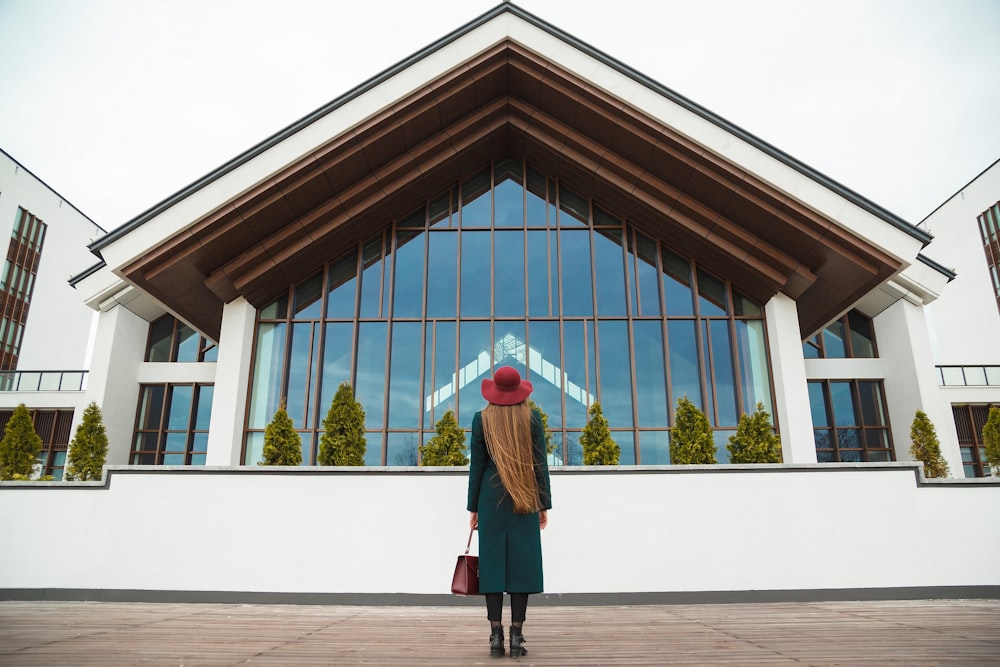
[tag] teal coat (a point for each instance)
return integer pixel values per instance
(510, 545)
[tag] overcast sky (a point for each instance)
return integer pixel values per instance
(117, 104)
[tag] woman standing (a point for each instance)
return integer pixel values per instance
(508, 499)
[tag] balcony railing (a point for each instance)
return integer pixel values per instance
(969, 376)
(43, 380)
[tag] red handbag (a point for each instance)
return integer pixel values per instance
(465, 581)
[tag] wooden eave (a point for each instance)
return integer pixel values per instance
(510, 103)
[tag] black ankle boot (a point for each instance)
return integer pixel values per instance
(517, 642)
(496, 642)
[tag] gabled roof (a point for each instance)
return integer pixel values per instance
(510, 85)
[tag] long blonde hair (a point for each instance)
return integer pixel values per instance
(507, 429)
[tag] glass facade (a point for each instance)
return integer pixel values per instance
(989, 229)
(850, 337)
(17, 284)
(170, 340)
(850, 421)
(969, 423)
(172, 424)
(509, 267)
(53, 427)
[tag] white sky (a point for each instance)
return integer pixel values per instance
(117, 104)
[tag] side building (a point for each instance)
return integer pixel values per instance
(965, 320)
(46, 329)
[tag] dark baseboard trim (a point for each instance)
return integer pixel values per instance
(543, 599)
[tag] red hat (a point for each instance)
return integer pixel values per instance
(506, 387)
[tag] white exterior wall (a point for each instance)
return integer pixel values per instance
(911, 381)
(56, 308)
(383, 531)
(965, 321)
(788, 370)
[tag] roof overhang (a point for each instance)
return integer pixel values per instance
(510, 86)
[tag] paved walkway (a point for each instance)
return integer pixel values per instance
(910, 633)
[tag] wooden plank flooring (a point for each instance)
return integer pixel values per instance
(897, 633)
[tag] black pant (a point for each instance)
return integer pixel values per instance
(518, 607)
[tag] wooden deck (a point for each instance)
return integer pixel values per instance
(910, 633)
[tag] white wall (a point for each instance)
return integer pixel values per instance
(56, 308)
(965, 322)
(392, 531)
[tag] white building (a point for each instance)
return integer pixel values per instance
(40, 365)
(510, 195)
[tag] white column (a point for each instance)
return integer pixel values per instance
(911, 381)
(790, 388)
(113, 380)
(232, 378)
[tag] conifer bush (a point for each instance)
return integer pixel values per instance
(755, 440)
(282, 443)
(89, 447)
(447, 448)
(691, 440)
(925, 446)
(599, 449)
(343, 441)
(19, 447)
(991, 440)
(545, 426)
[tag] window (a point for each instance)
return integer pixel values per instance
(172, 340)
(969, 423)
(172, 424)
(509, 267)
(850, 337)
(989, 229)
(17, 284)
(850, 421)
(53, 427)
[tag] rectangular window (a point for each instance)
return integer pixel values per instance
(20, 269)
(989, 230)
(170, 340)
(850, 337)
(850, 421)
(53, 427)
(969, 422)
(171, 425)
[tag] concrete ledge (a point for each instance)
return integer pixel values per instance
(541, 599)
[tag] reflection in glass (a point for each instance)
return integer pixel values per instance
(405, 391)
(833, 341)
(402, 449)
(442, 274)
(712, 295)
(723, 376)
(474, 358)
(615, 373)
(574, 250)
(371, 279)
(369, 388)
(677, 284)
(625, 440)
(508, 268)
(541, 286)
(545, 366)
(296, 397)
(862, 335)
(843, 404)
(342, 286)
(187, 343)
(609, 272)
(470, 288)
(580, 369)
(685, 375)
(475, 285)
(646, 292)
(476, 201)
(508, 197)
(817, 404)
(307, 304)
(408, 292)
(337, 357)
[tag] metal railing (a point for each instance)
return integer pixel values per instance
(969, 376)
(43, 380)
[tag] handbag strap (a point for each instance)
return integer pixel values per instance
(468, 544)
